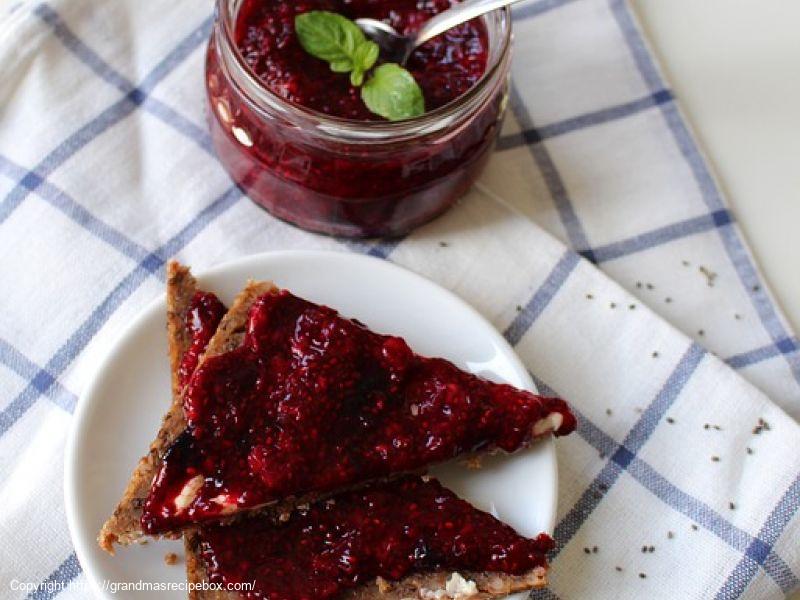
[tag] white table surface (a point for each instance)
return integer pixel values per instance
(735, 67)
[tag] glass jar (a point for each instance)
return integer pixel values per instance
(345, 177)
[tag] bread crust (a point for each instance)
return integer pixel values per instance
(181, 288)
(413, 587)
(124, 525)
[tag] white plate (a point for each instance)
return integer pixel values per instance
(121, 408)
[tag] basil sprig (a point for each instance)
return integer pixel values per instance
(390, 91)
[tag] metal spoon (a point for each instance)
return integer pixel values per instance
(397, 48)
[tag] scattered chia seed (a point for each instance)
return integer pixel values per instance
(519, 308)
(737, 316)
(642, 576)
(650, 286)
(756, 288)
(670, 535)
(644, 549)
(619, 569)
(613, 305)
(608, 412)
(762, 426)
(701, 332)
(670, 420)
(655, 354)
(639, 284)
(749, 450)
(667, 299)
(717, 428)
(651, 549)
(631, 306)
(709, 275)
(443, 244)
(685, 263)
(594, 549)
(589, 297)
(732, 506)
(694, 527)
(715, 458)
(706, 426)
(587, 551)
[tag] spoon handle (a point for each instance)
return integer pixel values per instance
(460, 13)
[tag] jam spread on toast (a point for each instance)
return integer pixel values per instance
(313, 403)
(201, 321)
(387, 530)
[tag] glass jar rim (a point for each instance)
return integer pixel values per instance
(352, 129)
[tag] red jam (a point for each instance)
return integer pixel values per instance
(444, 67)
(312, 402)
(389, 530)
(201, 321)
(352, 178)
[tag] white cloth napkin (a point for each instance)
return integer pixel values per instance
(106, 171)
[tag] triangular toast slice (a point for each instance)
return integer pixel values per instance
(307, 403)
(193, 316)
(406, 539)
(220, 466)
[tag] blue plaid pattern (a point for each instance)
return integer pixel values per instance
(525, 142)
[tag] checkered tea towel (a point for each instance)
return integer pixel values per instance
(597, 241)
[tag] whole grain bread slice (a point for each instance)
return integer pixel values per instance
(124, 525)
(422, 586)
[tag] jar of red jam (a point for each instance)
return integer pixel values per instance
(301, 143)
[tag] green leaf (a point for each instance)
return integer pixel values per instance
(366, 55)
(356, 77)
(390, 92)
(328, 36)
(363, 59)
(342, 66)
(393, 93)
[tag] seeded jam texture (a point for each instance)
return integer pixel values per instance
(201, 321)
(312, 402)
(445, 67)
(389, 530)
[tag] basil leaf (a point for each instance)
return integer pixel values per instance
(356, 77)
(342, 66)
(393, 93)
(390, 92)
(366, 55)
(363, 59)
(328, 36)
